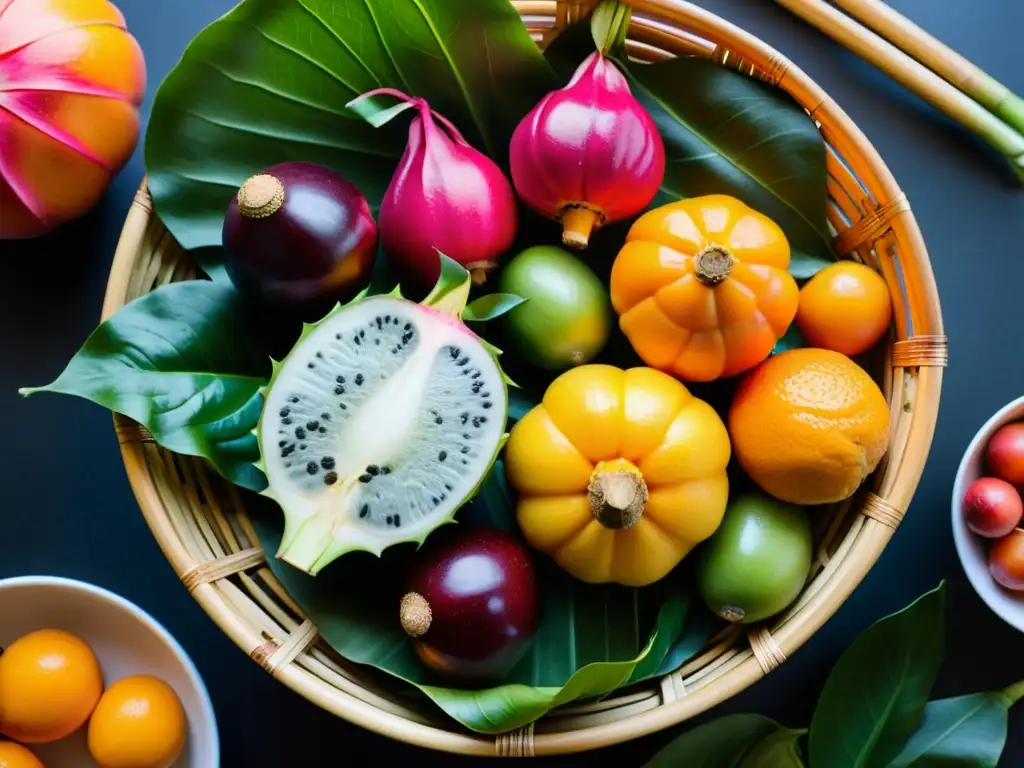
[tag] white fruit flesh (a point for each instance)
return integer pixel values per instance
(377, 427)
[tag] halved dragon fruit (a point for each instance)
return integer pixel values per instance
(380, 423)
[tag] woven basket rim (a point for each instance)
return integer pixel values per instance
(915, 363)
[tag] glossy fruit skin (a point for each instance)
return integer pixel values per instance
(992, 507)
(846, 307)
(482, 591)
(598, 417)
(16, 756)
(138, 723)
(809, 425)
(316, 250)
(1006, 560)
(73, 79)
(679, 324)
(757, 562)
(588, 145)
(566, 318)
(50, 682)
(1005, 454)
(445, 196)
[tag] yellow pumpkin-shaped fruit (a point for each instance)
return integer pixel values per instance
(619, 473)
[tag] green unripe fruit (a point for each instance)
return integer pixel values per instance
(757, 562)
(566, 318)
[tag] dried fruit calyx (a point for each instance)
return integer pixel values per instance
(380, 423)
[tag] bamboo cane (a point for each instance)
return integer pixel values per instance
(940, 58)
(913, 76)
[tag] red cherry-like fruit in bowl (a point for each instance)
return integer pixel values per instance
(1006, 560)
(992, 507)
(1005, 453)
(471, 603)
(299, 237)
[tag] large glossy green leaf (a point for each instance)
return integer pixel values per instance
(964, 732)
(876, 694)
(727, 133)
(779, 750)
(270, 80)
(590, 641)
(180, 362)
(722, 743)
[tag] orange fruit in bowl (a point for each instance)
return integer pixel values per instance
(16, 756)
(846, 307)
(809, 425)
(139, 723)
(50, 682)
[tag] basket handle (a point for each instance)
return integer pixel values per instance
(571, 11)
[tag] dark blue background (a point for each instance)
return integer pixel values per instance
(67, 507)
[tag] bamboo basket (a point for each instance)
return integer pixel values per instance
(201, 524)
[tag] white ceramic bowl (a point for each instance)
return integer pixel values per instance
(971, 548)
(126, 640)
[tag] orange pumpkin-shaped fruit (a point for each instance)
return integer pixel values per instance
(71, 81)
(701, 287)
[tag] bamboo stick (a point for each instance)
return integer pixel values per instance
(913, 76)
(940, 58)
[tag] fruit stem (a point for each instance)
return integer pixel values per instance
(617, 498)
(1014, 692)
(260, 196)
(415, 614)
(713, 264)
(478, 271)
(578, 221)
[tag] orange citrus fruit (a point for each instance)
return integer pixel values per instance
(808, 425)
(50, 682)
(16, 756)
(846, 307)
(139, 723)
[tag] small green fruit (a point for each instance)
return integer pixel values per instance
(567, 316)
(758, 560)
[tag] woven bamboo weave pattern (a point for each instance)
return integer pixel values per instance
(200, 520)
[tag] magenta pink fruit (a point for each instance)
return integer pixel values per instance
(471, 603)
(588, 154)
(445, 196)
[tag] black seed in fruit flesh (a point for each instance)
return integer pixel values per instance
(331, 478)
(478, 587)
(312, 468)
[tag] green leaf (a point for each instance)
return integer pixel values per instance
(964, 732)
(727, 133)
(791, 339)
(701, 625)
(875, 696)
(451, 291)
(179, 361)
(269, 82)
(590, 640)
(721, 743)
(492, 306)
(779, 750)
(609, 25)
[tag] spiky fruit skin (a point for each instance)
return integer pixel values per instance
(305, 552)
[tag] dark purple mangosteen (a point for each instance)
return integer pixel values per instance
(472, 603)
(300, 237)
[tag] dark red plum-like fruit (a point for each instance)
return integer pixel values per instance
(1006, 560)
(992, 507)
(1005, 453)
(300, 237)
(471, 603)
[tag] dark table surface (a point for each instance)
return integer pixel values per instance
(68, 509)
